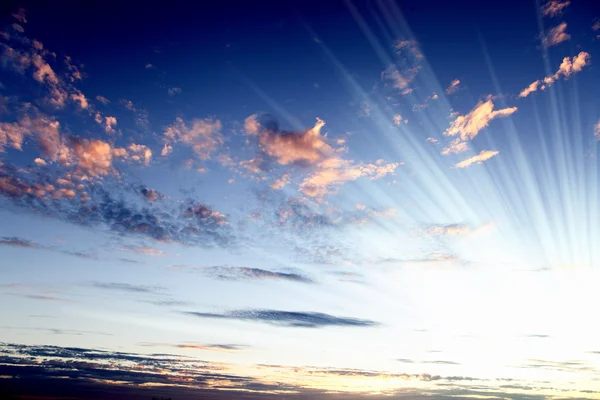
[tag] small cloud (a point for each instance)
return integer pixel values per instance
(148, 66)
(567, 67)
(19, 16)
(14, 241)
(142, 250)
(174, 91)
(477, 159)
(280, 183)
(454, 86)
(554, 8)
(201, 135)
(556, 35)
(40, 161)
(244, 273)
(126, 287)
(411, 45)
(466, 127)
(597, 130)
(292, 319)
(166, 150)
(397, 119)
(102, 99)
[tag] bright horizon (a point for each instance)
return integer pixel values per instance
(361, 199)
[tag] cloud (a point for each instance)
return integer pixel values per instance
(567, 67)
(336, 172)
(244, 273)
(293, 319)
(107, 122)
(554, 8)
(144, 250)
(18, 242)
(102, 99)
(556, 35)
(454, 86)
(44, 129)
(127, 287)
(400, 79)
(151, 195)
(186, 222)
(281, 182)
(477, 159)
(411, 45)
(302, 148)
(20, 16)
(397, 119)
(203, 347)
(468, 126)
(201, 135)
(173, 91)
(597, 130)
(309, 150)
(456, 146)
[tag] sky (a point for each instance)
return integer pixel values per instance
(300, 199)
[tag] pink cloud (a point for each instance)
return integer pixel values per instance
(567, 67)
(554, 8)
(477, 159)
(556, 35)
(453, 87)
(468, 126)
(202, 135)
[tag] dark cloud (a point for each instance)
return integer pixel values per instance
(199, 346)
(245, 273)
(15, 241)
(127, 287)
(18, 242)
(294, 319)
(188, 222)
(150, 195)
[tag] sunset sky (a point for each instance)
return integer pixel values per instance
(300, 199)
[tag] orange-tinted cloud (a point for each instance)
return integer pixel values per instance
(454, 86)
(202, 135)
(468, 126)
(477, 159)
(554, 8)
(556, 35)
(567, 67)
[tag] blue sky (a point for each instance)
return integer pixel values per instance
(351, 198)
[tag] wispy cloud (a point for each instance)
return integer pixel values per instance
(128, 287)
(568, 67)
(556, 35)
(244, 273)
(477, 159)
(293, 319)
(467, 127)
(201, 135)
(554, 8)
(454, 86)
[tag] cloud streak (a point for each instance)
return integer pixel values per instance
(568, 67)
(291, 319)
